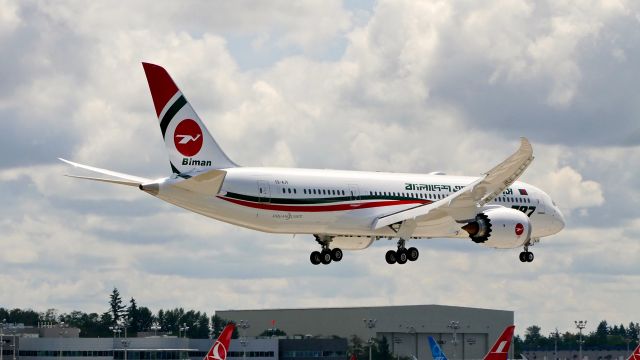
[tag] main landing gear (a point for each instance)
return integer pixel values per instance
(526, 255)
(326, 256)
(402, 255)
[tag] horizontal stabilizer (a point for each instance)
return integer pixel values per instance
(112, 181)
(130, 179)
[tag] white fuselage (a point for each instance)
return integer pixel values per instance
(345, 203)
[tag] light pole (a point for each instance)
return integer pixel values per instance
(62, 333)
(116, 330)
(184, 329)
(244, 325)
(125, 342)
(4, 321)
(370, 324)
(412, 330)
(13, 344)
(155, 327)
(454, 326)
(580, 324)
(555, 335)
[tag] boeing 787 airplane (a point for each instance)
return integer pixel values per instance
(343, 210)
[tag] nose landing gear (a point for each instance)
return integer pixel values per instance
(526, 255)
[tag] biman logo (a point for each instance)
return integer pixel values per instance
(188, 137)
(519, 229)
(218, 352)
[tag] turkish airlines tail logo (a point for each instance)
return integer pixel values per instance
(220, 348)
(636, 354)
(500, 349)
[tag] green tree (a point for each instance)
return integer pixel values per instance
(145, 318)
(532, 336)
(518, 345)
(133, 317)
(115, 305)
(356, 346)
(273, 332)
(380, 350)
(217, 325)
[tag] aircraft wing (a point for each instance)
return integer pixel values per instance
(462, 205)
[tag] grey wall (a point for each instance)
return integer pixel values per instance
(483, 326)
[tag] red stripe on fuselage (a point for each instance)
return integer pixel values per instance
(320, 208)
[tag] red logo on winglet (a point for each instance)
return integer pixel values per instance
(188, 137)
(519, 229)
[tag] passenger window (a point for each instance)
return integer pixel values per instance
(324, 192)
(289, 190)
(294, 191)
(284, 191)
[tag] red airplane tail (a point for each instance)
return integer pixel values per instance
(635, 355)
(500, 349)
(220, 348)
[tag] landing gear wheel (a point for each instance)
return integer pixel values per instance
(325, 257)
(391, 257)
(402, 256)
(315, 257)
(526, 256)
(412, 254)
(336, 254)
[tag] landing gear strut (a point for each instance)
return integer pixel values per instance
(526, 255)
(326, 256)
(402, 255)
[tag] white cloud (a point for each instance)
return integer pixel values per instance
(570, 190)
(396, 99)
(9, 17)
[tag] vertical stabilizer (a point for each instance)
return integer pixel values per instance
(436, 351)
(500, 349)
(635, 355)
(220, 348)
(187, 139)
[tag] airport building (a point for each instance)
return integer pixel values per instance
(406, 328)
(312, 334)
(172, 348)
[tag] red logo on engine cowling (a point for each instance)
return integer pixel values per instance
(519, 229)
(187, 137)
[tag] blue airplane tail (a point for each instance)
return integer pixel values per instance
(436, 351)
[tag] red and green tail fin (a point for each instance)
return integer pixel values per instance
(187, 139)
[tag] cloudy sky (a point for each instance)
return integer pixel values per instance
(390, 85)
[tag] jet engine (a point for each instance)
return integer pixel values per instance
(502, 228)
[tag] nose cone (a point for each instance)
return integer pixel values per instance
(558, 221)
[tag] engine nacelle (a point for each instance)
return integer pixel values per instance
(501, 228)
